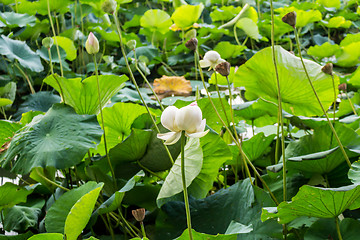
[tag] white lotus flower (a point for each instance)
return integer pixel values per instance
(211, 59)
(188, 119)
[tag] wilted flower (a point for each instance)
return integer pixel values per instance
(92, 44)
(211, 59)
(188, 119)
(131, 44)
(223, 68)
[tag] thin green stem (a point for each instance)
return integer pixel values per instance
(338, 228)
(127, 224)
(186, 197)
(143, 229)
(132, 78)
(147, 81)
(319, 101)
(221, 103)
(103, 124)
(49, 181)
(279, 101)
(55, 39)
(351, 104)
(245, 157)
(52, 72)
(335, 97)
(26, 78)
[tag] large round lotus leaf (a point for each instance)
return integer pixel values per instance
(13, 19)
(60, 139)
(68, 45)
(258, 77)
(40, 101)
(18, 50)
(156, 20)
(82, 95)
(186, 15)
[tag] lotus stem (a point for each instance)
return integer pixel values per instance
(221, 103)
(55, 39)
(338, 227)
(50, 181)
(319, 101)
(132, 78)
(102, 123)
(186, 197)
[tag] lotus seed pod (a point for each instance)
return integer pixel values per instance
(48, 42)
(109, 6)
(343, 87)
(290, 18)
(223, 69)
(92, 44)
(192, 44)
(139, 214)
(328, 69)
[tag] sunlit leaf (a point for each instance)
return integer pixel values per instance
(193, 165)
(249, 27)
(257, 75)
(325, 50)
(186, 15)
(156, 20)
(80, 213)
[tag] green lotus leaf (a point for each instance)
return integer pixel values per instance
(68, 45)
(303, 18)
(319, 153)
(338, 22)
(60, 139)
(250, 27)
(41, 7)
(20, 51)
(11, 194)
(47, 236)
(82, 95)
(329, 3)
(228, 50)
(13, 19)
(193, 165)
(186, 15)
(156, 20)
(315, 202)
(8, 130)
(80, 213)
(325, 50)
(225, 13)
(257, 75)
(4, 102)
(57, 214)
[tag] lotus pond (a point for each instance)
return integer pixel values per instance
(179, 119)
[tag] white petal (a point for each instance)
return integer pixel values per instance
(168, 118)
(204, 63)
(188, 118)
(201, 127)
(170, 137)
(197, 134)
(212, 56)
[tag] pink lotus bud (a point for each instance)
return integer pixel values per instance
(92, 44)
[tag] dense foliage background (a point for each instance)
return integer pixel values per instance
(79, 148)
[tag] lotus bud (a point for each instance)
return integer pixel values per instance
(48, 42)
(131, 44)
(92, 44)
(192, 44)
(223, 69)
(139, 214)
(343, 87)
(109, 6)
(328, 69)
(290, 18)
